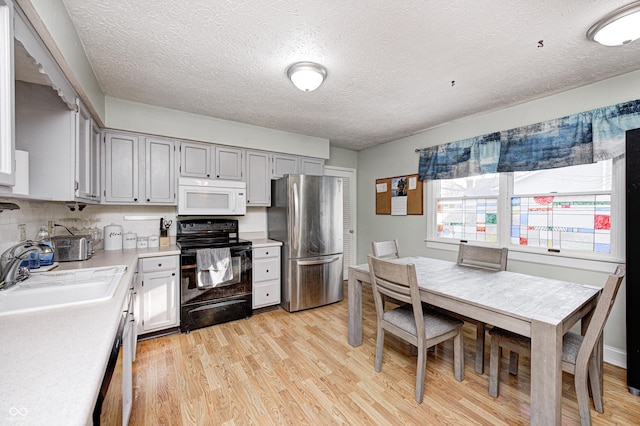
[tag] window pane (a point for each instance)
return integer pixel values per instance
(562, 222)
(594, 177)
(483, 185)
(468, 219)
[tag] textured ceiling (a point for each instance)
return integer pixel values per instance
(394, 67)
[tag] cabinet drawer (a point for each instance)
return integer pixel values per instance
(163, 263)
(266, 294)
(266, 269)
(264, 252)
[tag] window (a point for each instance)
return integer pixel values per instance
(468, 208)
(577, 211)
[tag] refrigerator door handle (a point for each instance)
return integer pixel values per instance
(316, 262)
(296, 217)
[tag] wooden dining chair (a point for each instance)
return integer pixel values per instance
(411, 321)
(385, 249)
(491, 258)
(579, 355)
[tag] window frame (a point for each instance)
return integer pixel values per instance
(570, 258)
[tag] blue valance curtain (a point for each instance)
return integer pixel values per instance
(576, 139)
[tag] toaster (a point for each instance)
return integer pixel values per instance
(69, 248)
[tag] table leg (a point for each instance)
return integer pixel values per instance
(355, 310)
(546, 373)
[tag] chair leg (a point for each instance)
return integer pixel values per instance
(379, 346)
(514, 358)
(458, 357)
(420, 373)
(494, 366)
(480, 333)
(582, 395)
(596, 385)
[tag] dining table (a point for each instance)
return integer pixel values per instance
(537, 307)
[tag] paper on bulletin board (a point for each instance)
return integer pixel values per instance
(381, 187)
(413, 183)
(399, 196)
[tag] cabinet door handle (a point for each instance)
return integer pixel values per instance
(159, 265)
(135, 199)
(173, 274)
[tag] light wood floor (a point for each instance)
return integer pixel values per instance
(282, 368)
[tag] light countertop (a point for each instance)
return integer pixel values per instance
(264, 242)
(53, 361)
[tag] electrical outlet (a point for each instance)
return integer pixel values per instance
(22, 232)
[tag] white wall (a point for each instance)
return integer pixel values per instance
(137, 117)
(342, 158)
(399, 158)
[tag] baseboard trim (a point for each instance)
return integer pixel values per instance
(615, 356)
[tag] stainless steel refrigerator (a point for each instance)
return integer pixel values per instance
(306, 215)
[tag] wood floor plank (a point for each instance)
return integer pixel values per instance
(280, 368)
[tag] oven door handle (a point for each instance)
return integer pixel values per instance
(316, 262)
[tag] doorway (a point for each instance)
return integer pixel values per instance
(349, 201)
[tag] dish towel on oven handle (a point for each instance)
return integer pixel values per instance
(214, 266)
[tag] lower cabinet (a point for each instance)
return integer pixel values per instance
(266, 276)
(158, 294)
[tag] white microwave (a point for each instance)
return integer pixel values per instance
(211, 197)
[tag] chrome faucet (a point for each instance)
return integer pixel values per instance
(10, 271)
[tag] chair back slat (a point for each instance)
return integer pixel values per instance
(483, 257)
(600, 314)
(385, 249)
(395, 280)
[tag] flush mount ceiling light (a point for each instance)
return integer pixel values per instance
(307, 76)
(617, 28)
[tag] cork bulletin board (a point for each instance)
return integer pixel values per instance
(399, 195)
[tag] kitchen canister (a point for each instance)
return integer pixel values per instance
(129, 240)
(154, 241)
(142, 242)
(112, 237)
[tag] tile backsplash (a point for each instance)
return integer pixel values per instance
(34, 214)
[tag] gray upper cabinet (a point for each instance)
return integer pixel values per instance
(160, 177)
(204, 160)
(258, 178)
(311, 166)
(87, 184)
(283, 164)
(229, 163)
(121, 168)
(138, 169)
(7, 172)
(195, 160)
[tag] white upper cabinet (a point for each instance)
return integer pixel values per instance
(311, 166)
(283, 164)
(258, 178)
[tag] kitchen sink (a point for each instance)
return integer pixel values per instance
(65, 288)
